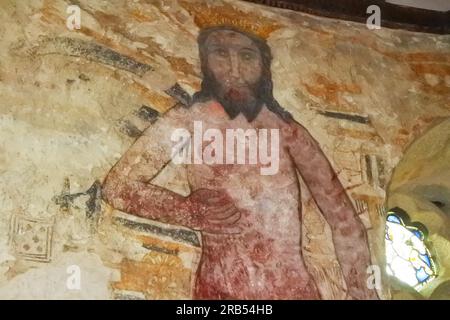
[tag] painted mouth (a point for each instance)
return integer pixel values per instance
(238, 93)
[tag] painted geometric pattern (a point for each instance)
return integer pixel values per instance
(32, 238)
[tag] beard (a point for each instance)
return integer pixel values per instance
(237, 99)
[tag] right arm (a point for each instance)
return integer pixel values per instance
(128, 185)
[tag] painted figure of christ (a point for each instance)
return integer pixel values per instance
(250, 222)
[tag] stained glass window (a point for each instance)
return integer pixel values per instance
(407, 256)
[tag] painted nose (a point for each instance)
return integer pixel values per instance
(234, 66)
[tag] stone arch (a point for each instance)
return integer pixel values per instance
(420, 185)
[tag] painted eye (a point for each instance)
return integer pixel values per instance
(247, 56)
(221, 52)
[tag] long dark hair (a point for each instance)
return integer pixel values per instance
(266, 85)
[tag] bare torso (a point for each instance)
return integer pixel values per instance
(264, 260)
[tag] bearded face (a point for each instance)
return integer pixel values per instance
(234, 72)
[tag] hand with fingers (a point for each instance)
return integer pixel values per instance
(214, 212)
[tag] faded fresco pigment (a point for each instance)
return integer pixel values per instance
(250, 223)
(214, 150)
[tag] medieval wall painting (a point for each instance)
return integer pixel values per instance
(208, 150)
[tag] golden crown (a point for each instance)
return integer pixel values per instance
(206, 16)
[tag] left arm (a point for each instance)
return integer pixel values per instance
(349, 235)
